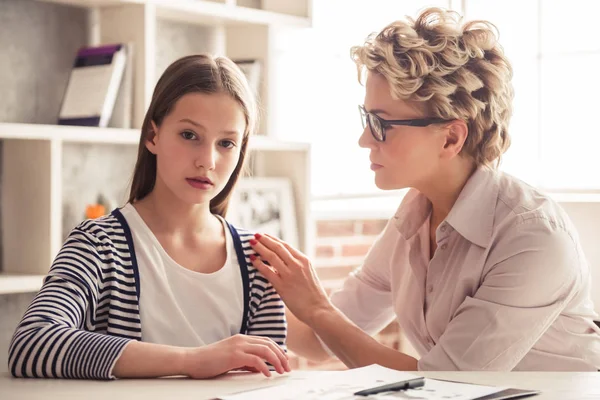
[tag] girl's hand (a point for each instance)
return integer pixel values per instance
(239, 352)
(291, 274)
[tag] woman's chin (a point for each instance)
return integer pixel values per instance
(386, 184)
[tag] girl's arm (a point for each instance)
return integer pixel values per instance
(267, 318)
(51, 340)
(149, 360)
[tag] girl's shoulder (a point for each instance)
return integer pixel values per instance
(110, 228)
(243, 234)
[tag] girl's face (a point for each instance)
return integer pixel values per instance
(197, 146)
(409, 155)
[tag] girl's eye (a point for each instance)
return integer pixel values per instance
(188, 135)
(228, 144)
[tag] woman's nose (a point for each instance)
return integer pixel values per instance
(366, 139)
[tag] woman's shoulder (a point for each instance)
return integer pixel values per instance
(525, 204)
(527, 220)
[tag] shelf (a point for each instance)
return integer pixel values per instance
(85, 134)
(13, 283)
(201, 12)
(193, 11)
(81, 134)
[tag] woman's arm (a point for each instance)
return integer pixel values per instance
(365, 299)
(353, 346)
(303, 341)
(292, 275)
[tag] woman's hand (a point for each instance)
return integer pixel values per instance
(239, 352)
(291, 274)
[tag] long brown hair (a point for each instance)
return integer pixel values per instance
(200, 73)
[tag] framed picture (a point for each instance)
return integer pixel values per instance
(265, 205)
(252, 70)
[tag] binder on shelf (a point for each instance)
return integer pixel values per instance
(122, 115)
(252, 69)
(93, 86)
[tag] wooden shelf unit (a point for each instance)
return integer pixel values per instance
(33, 154)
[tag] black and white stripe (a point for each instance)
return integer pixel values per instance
(88, 307)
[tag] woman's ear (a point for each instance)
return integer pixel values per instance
(456, 136)
(152, 138)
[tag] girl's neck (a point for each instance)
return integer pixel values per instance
(166, 214)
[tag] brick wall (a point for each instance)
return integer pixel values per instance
(341, 246)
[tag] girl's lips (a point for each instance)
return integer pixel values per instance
(204, 179)
(199, 184)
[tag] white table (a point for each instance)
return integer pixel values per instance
(554, 386)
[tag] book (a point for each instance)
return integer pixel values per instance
(122, 115)
(252, 71)
(93, 86)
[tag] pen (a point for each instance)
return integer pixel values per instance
(392, 387)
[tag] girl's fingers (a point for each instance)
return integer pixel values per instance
(266, 354)
(255, 362)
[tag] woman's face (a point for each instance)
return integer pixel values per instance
(409, 155)
(197, 146)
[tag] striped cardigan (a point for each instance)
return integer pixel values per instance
(88, 307)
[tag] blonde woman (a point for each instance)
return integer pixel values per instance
(482, 271)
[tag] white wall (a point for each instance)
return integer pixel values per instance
(586, 217)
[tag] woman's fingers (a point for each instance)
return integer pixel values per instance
(272, 251)
(266, 254)
(267, 271)
(292, 250)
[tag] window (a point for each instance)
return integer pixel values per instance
(553, 48)
(519, 39)
(551, 44)
(569, 87)
(317, 93)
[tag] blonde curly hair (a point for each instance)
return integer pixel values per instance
(460, 72)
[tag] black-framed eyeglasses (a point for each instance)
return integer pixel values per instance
(378, 125)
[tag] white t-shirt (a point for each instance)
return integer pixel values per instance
(180, 307)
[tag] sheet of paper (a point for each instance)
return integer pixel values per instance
(340, 385)
(441, 390)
